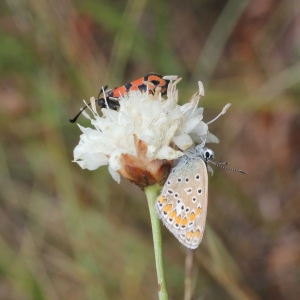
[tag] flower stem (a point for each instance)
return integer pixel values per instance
(151, 194)
(188, 284)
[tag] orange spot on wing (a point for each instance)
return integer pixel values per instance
(172, 214)
(161, 81)
(117, 92)
(177, 220)
(162, 199)
(197, 234)
(192, 217)
(134, 88)
(198, 211)
(190, 234)
(184, 222)
(138, 82)
(167, 208)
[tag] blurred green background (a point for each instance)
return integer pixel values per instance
(68, 233)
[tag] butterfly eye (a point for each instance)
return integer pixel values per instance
(208, 154)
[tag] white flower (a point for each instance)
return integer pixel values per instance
(147, 133)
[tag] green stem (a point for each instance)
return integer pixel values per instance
(151, 194)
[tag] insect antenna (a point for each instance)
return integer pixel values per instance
(221, 165)
(77, 116)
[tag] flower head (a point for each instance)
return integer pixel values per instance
(141, 140)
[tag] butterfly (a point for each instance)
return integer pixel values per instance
(182, 203)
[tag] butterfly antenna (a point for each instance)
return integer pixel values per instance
(221, 165)
(77, 116)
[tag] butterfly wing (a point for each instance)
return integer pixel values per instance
(182, 204)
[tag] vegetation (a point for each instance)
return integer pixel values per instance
(68, 233)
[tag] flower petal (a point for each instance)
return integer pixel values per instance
(183, 141)
(91, 161)
(168, 153)
(114, 174)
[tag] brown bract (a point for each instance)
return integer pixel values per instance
(142, 171)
